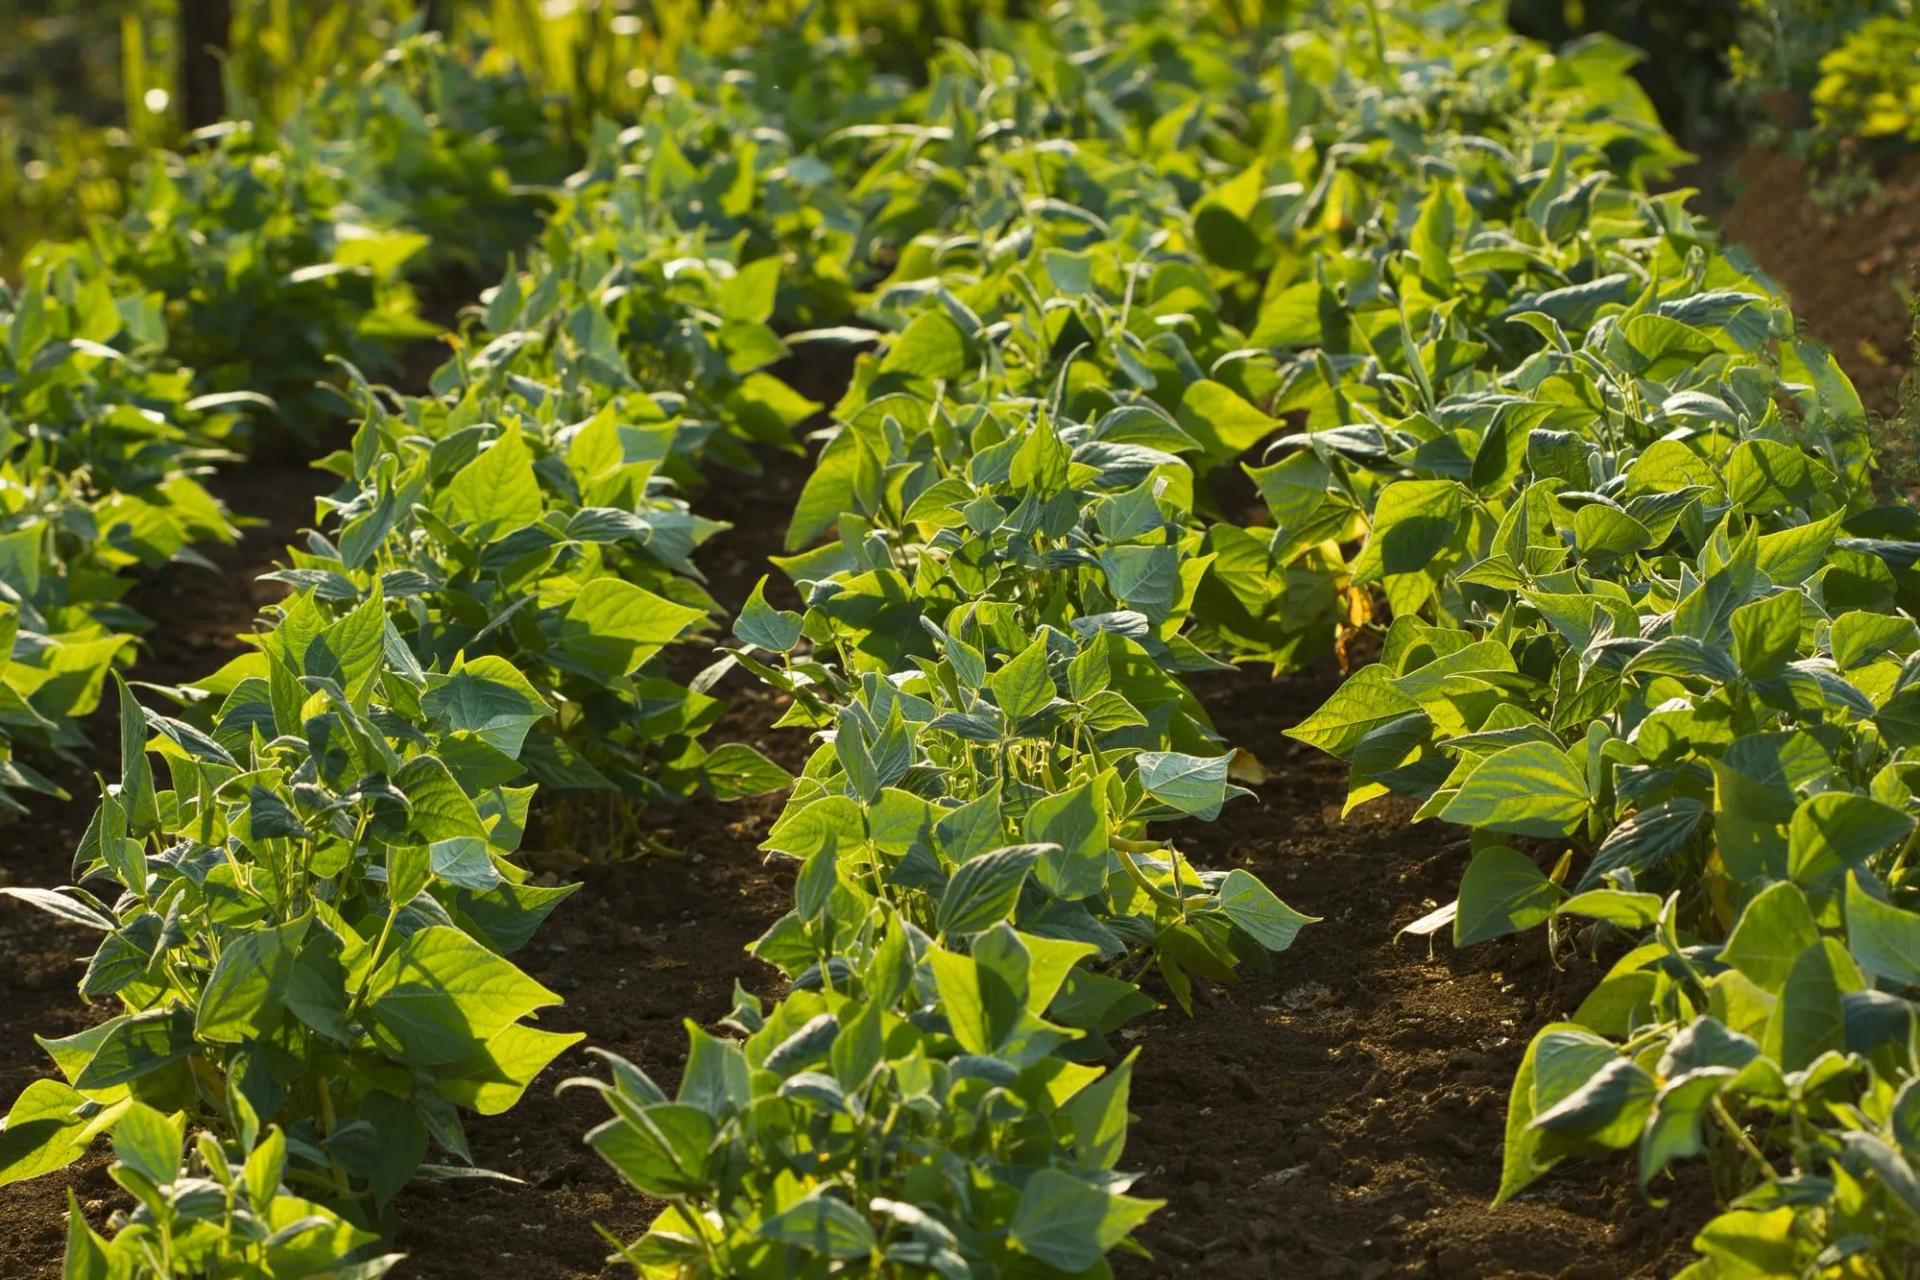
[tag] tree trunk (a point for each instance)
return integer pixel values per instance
(205, 27)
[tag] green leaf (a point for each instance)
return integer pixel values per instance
(1809, 1019)
(984, 890)
(661, 1149)
(441, 994)
(930, 347)
(613, 626)
(1503, 892)
(1858, 638)
(150, 1143)
(1885, 939)
(1532, 789)
(1413, 520)
(761, 624)
(242, 997)
(1561, 1056)
(1610, 1109)
(1604, 532)
(1070, 1223)
(856, 760)
(463, 861)
(86, 1255)
(981, 1008)
(270, 818)
(134, 1045)
(1765, 475)
(1647, 838)
(1023, 686)
(1632, 911)
(736, 771)
(1098, 1114)
(748, 294)
(1039, 465)
(1074, 826)
(409, 870)
(972, 829)
(1774, 931)
(441, 808)
(1753, 1242)
(1259, 912)
(1673, 1128)
(1766, 634)
(1791, 556)
(44, 1131)
(716, 1076)
(493, 1078)
(1365, 702)
(55, 903)
(823, 1224)
(1194, 785)
(497, 489)
(487, 697)
(1836, 830)
(1221, 421)
(1070, 273)
(356, 643)
(136, 774)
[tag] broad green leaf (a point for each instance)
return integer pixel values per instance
(492, 1080)
(150, 1143)
(1885, 939)
(823, 1224)
(1362, 704)
(1836, 830)
(1098, 1114)
(497, 490)
(1257, 910)
(930, 347)
(488, 697)
(1074, 823)
(1221, 421)
(735, 771)
(761, 624)
(661, 1149)
(1503, 892)
(1609, 1109)
(1766, 634)
(1774, 931)
(463, 861)
(441, 994)
(1532, 789)
(43, 1131)
(984, 890)
(132, 1046)
(1673, 1127)
(241, 1001)
(613, 626)
(1023, 686)
(1070, 1223)
(1765, 475)
(1194, 785)
(1809, 1019)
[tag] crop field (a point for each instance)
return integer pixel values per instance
(1177, 637)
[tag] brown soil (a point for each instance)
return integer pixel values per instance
(1340, 1115)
